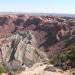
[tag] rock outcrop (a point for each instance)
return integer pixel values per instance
(22, 47)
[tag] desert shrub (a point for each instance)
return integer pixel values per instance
(12, 67)
(71, 56)
(2, 69)
(60, 60)
(66, 59)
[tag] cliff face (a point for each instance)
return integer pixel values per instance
(30, 39)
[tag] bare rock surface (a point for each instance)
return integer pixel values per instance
(22, 47)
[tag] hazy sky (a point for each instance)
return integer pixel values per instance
(41, 6)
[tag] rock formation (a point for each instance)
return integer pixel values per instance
(22, 47)
(26, 40)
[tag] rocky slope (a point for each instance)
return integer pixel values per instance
(27, 40)
(21, 47)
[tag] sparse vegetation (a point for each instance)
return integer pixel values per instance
(2, 69)
(66, 59)
(10, 69)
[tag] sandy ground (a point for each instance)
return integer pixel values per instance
(39, 70)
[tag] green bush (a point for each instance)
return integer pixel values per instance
(12, 68)
(59, 60)
(66, 59)
(2, 69)
(71, 54)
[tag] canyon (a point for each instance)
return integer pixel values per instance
(26, 40)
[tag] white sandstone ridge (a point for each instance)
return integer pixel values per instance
(21, 47)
